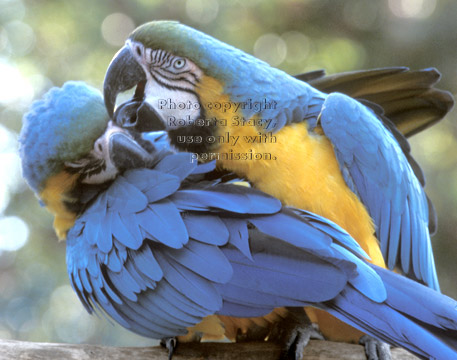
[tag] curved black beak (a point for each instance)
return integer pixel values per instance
(139, 116)
(123, 73)
(126, 153)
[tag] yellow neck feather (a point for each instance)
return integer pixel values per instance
(54, 195)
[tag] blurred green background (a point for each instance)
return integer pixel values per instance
(45, 43)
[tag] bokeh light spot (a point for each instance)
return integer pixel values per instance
(14, 233)
(361, 15)
(418, 9)
(4, 42)
(14, 87)
(116, 28)
(21, 37)
(68, 317)
(270, 48)
(202, 11)
(10, 164)
(11, 10)
(298, 46)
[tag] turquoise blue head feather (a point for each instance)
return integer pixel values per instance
(61, 127)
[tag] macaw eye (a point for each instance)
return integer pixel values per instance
(179, 63)
(98, 147)
(138, 50)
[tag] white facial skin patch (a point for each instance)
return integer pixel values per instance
(170, 86)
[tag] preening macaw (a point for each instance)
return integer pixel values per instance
(318, 150)
(161, 248)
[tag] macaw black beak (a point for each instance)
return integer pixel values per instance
(126, 153)
(139, 116)
(123, 73)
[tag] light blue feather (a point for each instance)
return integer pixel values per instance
(385, 183)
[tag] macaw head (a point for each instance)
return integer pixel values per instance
(184, 76)
(68, 144)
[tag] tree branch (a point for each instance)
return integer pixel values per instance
(323, 350)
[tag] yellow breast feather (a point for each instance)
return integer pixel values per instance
(297, 167)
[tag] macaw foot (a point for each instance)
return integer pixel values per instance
(170, 344)
(294, 333)
(375, 349)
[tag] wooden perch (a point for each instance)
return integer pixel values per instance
(323, 350)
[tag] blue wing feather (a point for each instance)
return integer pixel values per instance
(395, 237)
(154, 184)
(146, 263)
(191, 273)
(204, 168)
(253, 297)
(189, 284)
(121, 233)
(242, 310)
(133, 227)
(297, 232)
(385, 183)
(102, 299)
(239, 236)
(246, 265)
(140, 318)
(140, 280)
(191, 307)
(278, 262)
(226, 197)
(158, 218)
(175, 310)
(180, 165)
(134, 200)
(203, 259)
(125, 284)
(209, 229)
(105, 235)
(84, 281)
(156, 312)
(337, 233)
(114, 263)
(369, 283)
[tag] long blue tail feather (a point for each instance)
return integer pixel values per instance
(414, 317)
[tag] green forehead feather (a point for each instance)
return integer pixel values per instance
(62, 126)
(167, 35)
(214, 57)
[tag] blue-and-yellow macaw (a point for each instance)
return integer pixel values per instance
(160, 248)
(318, 150)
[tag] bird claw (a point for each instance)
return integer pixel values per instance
(294, 333)
(170, 344)
(375, 349)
